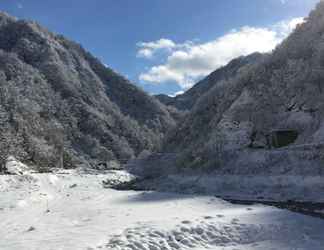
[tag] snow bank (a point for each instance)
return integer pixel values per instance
(244, 187)
(13, 166)
(293, 173)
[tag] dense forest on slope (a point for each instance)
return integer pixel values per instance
(59, 106)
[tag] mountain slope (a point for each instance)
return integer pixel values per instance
(269, 117)
(187, 100)
(58, 101)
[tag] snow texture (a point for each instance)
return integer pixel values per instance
(67, 210)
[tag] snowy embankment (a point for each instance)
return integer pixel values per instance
(288, 174)
(73, 211)
(278, 188)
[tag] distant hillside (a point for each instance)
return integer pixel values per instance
(188, 99)
(59, 106)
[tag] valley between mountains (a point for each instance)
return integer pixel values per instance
(88, 160)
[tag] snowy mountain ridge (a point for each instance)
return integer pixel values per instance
(265, 119)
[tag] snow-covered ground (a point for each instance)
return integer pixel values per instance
(73, 211)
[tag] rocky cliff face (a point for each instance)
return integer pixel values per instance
(266, 109)
(59, 106)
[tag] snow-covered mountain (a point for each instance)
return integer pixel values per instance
(188, 99)
(61, 107)
(267, 118)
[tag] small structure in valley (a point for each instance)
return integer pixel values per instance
(282, 138)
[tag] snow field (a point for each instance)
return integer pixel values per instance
(71, 211)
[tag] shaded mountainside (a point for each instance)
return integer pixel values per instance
(268, 116)
(60, 105)
(187, 100)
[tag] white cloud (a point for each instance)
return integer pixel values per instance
(148, 49)
(145, 53)
(284, 28)
(188, 62)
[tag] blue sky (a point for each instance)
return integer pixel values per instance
(165, 46)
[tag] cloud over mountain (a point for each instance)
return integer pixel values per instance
(185, 63)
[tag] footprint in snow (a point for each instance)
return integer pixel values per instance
(186, 222)
(86, 219)
(208, 217)
(30, 229)
(220, 216)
